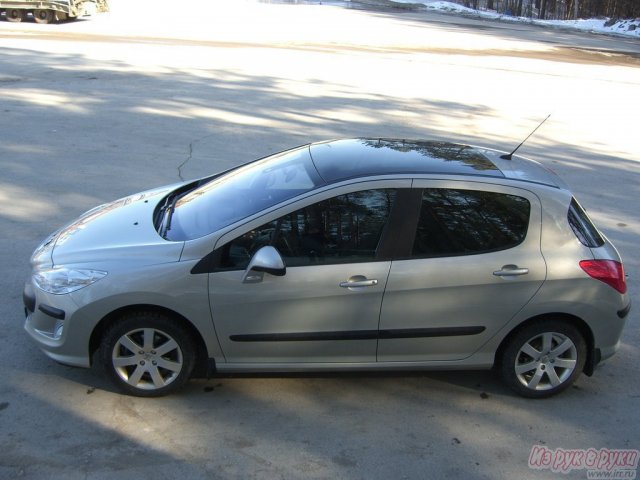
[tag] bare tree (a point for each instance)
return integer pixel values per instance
(561, 9)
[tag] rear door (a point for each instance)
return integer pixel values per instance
(473, 263)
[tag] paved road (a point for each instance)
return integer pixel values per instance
(94, 110)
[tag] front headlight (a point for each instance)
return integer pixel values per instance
(60, 281)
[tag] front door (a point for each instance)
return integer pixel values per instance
(326, 307)
(303, 316)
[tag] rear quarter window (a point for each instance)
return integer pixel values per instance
(582, 226)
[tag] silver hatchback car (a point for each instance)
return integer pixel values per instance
(355, 254)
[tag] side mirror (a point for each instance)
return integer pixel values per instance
(265, 260)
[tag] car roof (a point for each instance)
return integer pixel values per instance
(338, 160)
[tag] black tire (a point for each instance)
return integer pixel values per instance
(15, 15)
(543, 358)
(43, 16)
(148, 354)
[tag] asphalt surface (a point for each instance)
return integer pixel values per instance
(97, 109)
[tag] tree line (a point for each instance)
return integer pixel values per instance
(560, 9)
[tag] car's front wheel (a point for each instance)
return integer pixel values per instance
(543, 358)
(148, 354)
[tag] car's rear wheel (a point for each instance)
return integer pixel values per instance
(148, 354)
(543, 358)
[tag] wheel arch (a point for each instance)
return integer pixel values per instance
(202, 368)
(581, 325)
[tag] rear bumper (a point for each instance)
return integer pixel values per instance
(600, 354)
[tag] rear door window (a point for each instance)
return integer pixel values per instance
(456, 222)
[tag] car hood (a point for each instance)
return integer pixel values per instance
(122, 230)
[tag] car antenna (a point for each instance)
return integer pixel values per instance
(507, 156)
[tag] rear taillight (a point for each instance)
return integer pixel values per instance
(607, 271)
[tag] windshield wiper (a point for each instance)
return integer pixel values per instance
(167, 213)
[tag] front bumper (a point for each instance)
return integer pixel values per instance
(49, 321)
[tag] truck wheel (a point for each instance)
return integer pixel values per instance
(15, 15)
(43, 16)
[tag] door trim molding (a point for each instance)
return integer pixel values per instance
(359, 334)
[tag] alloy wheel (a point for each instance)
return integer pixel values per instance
(546, 361)
(147, 358)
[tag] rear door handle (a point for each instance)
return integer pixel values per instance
(359, 281)
(511, 271)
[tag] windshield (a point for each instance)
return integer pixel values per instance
(241, 193)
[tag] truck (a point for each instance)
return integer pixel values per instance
(50, 10)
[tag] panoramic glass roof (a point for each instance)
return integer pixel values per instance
(343, 159)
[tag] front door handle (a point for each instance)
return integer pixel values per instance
(511, 271)
(359, 281)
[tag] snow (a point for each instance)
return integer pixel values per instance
(628, 27)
